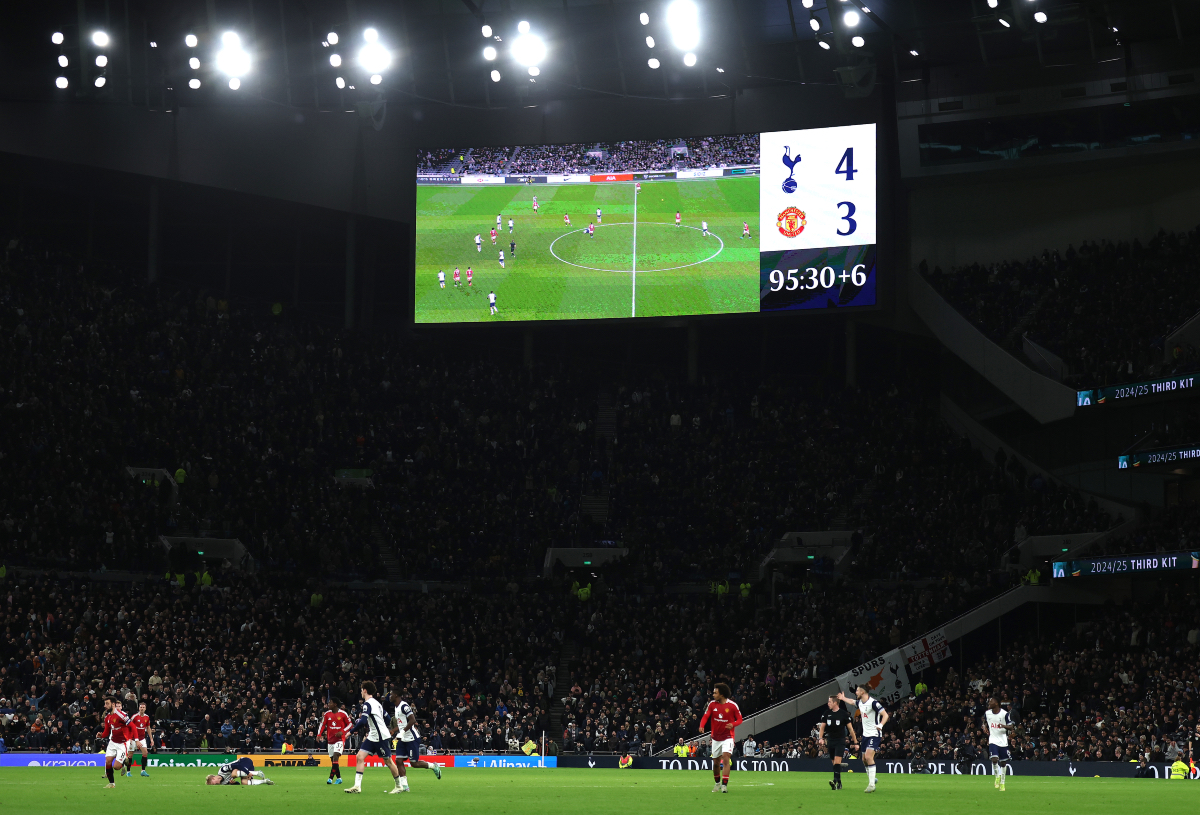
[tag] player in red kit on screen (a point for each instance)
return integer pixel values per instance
(140, 734)
(334, 725)
(726, 716)
(114, 728)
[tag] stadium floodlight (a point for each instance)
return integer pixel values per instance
(194, 83)
(153, 44)
(814, 23)
(60, 83)
(857, 41)
(194, 63)
(689, 59)
(683, 21)
(824, 45)
(332, 38)
(1004, 22)
(371, 35)
(100, 81)
(102, 61)
(234, 83)
(653, 63)
(850, 18)
(914, 53)
(100, 39)
(993, 3)
(487, 30)
(649, 42)
(341, 83)
(374, 58)
(720, 70)
(528, 49)
(644, 19)
(232, 59)
(56, 38)
(1039, 16)
(535, 71)
(866, 10)
(190, 41)
(806, 3)
(62, 60)
(335, 60)
(376, 79)
(489, 53)
(495, 76)
(523, 27)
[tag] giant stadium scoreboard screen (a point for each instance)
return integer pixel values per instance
(771, 222)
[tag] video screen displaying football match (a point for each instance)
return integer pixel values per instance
(766, 222)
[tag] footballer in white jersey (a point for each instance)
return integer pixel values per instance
(374, 720)
(999, 722)
(874, 716)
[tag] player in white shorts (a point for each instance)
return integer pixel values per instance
(501, 258)
(492, 302)
(510, 226)
(874, 717)
(441, 279)
(999, 722)
(704, 228)
(599, 217)
(478, 243)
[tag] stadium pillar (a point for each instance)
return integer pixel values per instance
(851, 354)
(693, 353)
(350, 228)
(152, 243)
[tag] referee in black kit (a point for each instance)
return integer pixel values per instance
(837, 722)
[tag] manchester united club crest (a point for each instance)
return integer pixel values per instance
(791, 222)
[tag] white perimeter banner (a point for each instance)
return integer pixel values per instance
(886, 677)
(922, 653)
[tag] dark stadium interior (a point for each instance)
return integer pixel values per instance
(238, 479)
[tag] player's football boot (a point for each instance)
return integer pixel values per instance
(870, 788)
(1002, 788)
(832, 785)
(437, 772)
(717, 787)
(395, 790)
(724, 788)
(996, 781)
(353, 789)
(338, 780)
(328, 780)
(110, 786)
(145, 774)
(839, 783)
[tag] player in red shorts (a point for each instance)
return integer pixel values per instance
(471, 274)
(567, 220)
(140, 734)
(334, 725)
(114, 729)
(457, 276)
(493, 237)
(726, 716)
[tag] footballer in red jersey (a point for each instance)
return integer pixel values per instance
(334, 725)
(114, 728)
(726, 716)
(140, 734)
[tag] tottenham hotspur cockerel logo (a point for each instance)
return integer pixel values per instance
(789, 183)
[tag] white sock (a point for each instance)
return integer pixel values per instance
(1003, 772)
(997, 770)
(403, 780)
(358, 779)
(254, 782)
(258, 774)
(871, 776)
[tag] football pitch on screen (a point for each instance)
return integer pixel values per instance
(637, 264)
(302, 790)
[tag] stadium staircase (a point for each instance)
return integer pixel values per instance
(562, 686)
(596, 505)
(387, 555)
(512, 159)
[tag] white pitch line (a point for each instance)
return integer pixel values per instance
(633, 297)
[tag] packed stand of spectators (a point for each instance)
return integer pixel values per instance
(705, 481)
(253, 416)
(1173, 529)
(1106, 309)
(438, 159)
(723, 151)
(1120, 688)
(487, 160)
(638, 156)
(558, 158)
(648, 664)
(250, 663)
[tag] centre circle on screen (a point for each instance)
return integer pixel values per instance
(661, 247)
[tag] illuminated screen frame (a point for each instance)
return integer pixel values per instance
(607, 231)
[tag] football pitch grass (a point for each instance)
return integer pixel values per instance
(301, 790)
(638, 264)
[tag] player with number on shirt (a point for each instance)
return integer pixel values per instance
(238, 773)
(999, 722)
(745, 229)
(726, 716)
(408, 740)
(874, 717)
(114, 726)
(334, 725)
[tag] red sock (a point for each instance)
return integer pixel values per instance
(109, 772)
(725, 779)
(717, 773)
